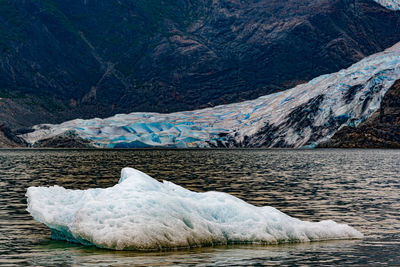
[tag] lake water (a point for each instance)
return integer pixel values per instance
(357, 187)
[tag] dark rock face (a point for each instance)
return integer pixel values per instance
(381, 130)
(66, 59)
(8, 139)
(68, 140)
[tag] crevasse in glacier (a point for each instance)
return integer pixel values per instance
(140, 213)
(302, 116)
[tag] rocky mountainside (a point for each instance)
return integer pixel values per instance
(8, 139)
(303, 116)
(89, 58)
(381, 130)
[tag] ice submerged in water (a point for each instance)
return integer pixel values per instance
(140, 213)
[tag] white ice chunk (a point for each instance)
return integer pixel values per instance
(140, 213)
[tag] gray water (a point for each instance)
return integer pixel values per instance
(357, 187)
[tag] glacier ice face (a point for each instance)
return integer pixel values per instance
(140, 213)
(390, 4)
(302, 116)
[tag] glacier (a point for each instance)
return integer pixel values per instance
(140, 213)
(303, 116)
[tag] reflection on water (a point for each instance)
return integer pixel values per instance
(357, 187)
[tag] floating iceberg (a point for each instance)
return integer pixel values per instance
(140, 213)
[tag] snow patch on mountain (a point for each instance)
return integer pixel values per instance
(390, 4)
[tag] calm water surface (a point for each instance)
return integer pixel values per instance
(357, 187)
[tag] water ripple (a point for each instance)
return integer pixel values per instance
(357, 187)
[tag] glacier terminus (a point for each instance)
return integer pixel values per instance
(302, 116)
